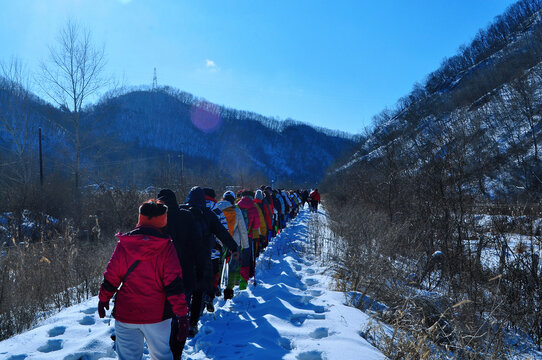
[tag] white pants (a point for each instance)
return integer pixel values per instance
(129, 342)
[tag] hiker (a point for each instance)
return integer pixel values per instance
(288, 204)
(314, 200)
(181, 227)
(238, 230)
(305, 197)
(281, 208)
(295, 204)
(217, 249)
(268, 208)
(265, 222)
(145, 274)
(252, 220)
(207, 225)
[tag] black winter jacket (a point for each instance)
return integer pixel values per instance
(181, 228)
(196, 205)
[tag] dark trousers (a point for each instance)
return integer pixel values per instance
(196, 307)
(176, 346)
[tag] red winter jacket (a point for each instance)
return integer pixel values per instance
(253, 224)
(315, 196)
(157, 276)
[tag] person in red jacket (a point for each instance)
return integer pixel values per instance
(252, 220)
(314, 197)
(145, 273)
(265, 219)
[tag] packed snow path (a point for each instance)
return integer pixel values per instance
(290, 314)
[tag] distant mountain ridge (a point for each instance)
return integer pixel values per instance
(146, 128)
(175, 121)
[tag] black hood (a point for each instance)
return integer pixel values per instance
(196, 197)
(168, 197)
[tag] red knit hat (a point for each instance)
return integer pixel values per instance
(153, 213)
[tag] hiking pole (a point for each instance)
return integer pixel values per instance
(224, 275)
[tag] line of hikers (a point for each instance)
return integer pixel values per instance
(166, 271)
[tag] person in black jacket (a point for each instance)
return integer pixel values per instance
(304, 197)
(181, 227)
(207, 225)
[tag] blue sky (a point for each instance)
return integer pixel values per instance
(328, 63)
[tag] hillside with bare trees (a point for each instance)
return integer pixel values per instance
(444, 200)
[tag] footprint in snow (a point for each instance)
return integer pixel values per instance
(89, 311)
(285, 343)
(299, 319)
(18, 357)
(319, 333)
(316, 293)
(52, 345)
(56, 331)
(311, 282)
(87, 320)
(207, 330)
(320, 309)
(310, 271)
(310, 355)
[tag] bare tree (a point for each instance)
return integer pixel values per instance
(73, 74)
(525, 90)
(15, 120)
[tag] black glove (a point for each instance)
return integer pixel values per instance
(102, 306)
(183, 324)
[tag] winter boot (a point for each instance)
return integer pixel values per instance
(242, 284)
(210, 307)
(192, 331)
(228, 294)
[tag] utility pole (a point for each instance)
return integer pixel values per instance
(154, 81)
(168, 172)
(41, 158)
(181, 155)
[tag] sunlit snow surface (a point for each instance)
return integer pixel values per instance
(290, 314)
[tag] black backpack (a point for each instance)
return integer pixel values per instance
(203, 254)
(202, 228)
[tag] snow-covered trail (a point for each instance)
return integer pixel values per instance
(290, 314)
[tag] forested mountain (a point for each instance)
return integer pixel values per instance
(143, 136)
(236, 142)
(476, 118)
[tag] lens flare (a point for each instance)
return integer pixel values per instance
(206, 116)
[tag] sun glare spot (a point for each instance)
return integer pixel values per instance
(206, 116)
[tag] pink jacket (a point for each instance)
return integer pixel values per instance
(253, 225)
(157, 276)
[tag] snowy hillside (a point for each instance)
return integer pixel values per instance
(291, 314)
(483, 102)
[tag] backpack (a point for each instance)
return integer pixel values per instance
(229, 214)
(202, 228)
(204, 272)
